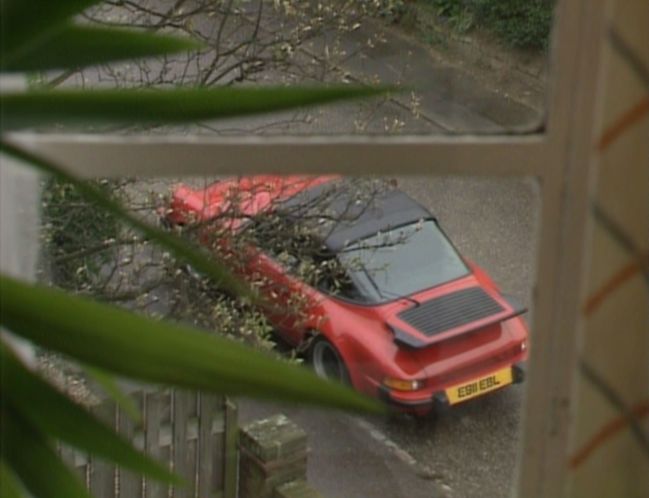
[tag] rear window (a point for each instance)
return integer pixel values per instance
(402, 261)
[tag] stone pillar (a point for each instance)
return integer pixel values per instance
(273, 453)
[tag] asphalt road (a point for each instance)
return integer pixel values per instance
(472, 448)
(470, 451)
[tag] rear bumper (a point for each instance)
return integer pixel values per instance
(438, 401)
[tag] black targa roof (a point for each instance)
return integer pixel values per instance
(345, 219)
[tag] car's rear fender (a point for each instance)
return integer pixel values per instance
(462, 357)
(371, 355)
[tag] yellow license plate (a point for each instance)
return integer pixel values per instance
(477, 387)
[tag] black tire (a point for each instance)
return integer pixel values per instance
(327, 362)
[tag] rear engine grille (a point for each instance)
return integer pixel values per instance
(451, 311)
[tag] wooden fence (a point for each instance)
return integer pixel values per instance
(194, 434)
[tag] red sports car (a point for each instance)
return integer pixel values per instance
(386, 302)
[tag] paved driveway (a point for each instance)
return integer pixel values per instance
(469, 451)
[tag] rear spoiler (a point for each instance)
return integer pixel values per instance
(411, 341)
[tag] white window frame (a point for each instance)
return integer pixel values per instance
(558, 156)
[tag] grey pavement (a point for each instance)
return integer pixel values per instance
(349, 457)
(437, 98)
(450, 100)
(469, 452)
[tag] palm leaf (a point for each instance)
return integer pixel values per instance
(28, 453)
(20, 110)
(134, 346)
(27, 23)
(77, 46)
(110, 387)
(9, 485)
(58, 417)
(213, 269)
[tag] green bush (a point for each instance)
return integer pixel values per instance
(520, 23)
(457, 12)
(75, 234)
(391, 10)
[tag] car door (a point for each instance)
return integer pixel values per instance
(287, 301)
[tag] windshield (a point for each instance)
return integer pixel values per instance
(402, 261)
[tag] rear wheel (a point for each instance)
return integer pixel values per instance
(327, 362)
